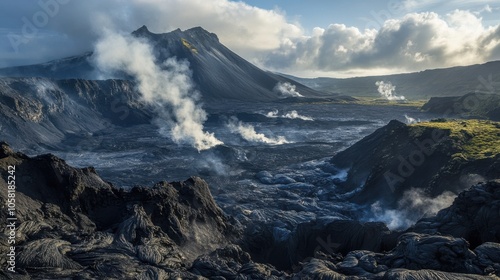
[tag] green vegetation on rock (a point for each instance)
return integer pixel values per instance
(367, 100)
(476, 139)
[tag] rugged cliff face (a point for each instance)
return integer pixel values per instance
(471, 105)
(72, 223)
(436, 157)
(40, 110)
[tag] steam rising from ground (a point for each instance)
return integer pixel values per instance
(386, 90)
(289, 115)
(248, 133)
(410, 120)
(286, 90)
(166, 86)
(414, 205)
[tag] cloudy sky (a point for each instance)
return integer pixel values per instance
(307, 38)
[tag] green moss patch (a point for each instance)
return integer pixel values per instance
(365, 100)
(476, 139)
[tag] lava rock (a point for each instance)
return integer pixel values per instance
(472, 212)
(71, 222)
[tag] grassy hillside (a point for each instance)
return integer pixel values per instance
(437, 156)
(475, 139)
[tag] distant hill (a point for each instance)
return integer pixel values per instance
(219, 73)
(452, 81)
(471, 105)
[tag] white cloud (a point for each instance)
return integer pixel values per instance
(406, 43)
(421, 5)
(416, 41)
(245, 29)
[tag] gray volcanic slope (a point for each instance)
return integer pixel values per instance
(218, 72)
(36, 111)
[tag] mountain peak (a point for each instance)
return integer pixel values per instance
(200, 32)
(143, 30)
(195, 33)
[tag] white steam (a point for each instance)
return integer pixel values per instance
(414, 205)
(410, 120)
(386, 90)
(286, 90)
(289, 115)
(248, 133)
(168, 87)
(212, 164)
(273, 114)
(294, 115)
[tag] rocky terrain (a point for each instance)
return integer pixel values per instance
(71, 223)
(36, 111)
(433, 157)
(470, 105)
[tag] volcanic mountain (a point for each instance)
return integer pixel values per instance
(218, 72)
(46, 103)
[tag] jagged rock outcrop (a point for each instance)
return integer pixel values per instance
(70, 221)
(435, 157)
(416, 256)
(474, 215)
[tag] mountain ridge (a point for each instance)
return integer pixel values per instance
(217, 72)
(470, 105)
(450, 81)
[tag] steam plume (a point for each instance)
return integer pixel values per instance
(386, 90)
(414, 205)
(248, 133)
(286, 90)
(167, 87)
(289, 115)
(294, 115)
(410, 120)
